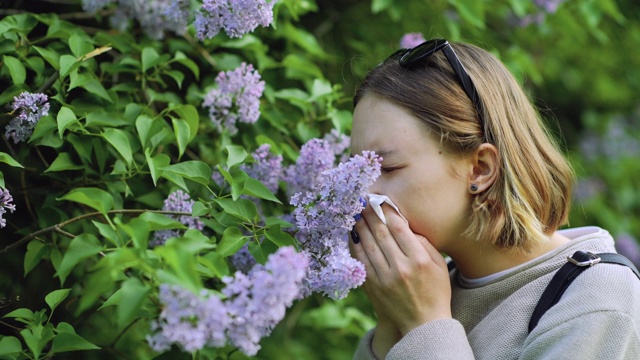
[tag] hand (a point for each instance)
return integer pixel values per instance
(407, 278)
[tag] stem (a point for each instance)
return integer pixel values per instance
(50, 81)
(205, 54)
(56, 227)
(113, 344)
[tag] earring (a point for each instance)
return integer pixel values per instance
(473, 187)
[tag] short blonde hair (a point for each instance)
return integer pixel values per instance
(531, 197)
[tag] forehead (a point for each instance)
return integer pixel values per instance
(384, 127)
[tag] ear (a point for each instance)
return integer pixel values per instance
(485, 168)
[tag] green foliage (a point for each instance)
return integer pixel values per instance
(127, 127)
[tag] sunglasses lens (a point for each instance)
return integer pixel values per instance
(422, 51)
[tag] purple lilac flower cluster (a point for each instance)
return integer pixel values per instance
(340, 143)
(177, 201)
(618, 141)
(254, 303)
(267, 167)
(325, 215)
(30, 109)
(235, 17)
(544, 7)
(411, 40)
(5, 205)
(155, 17)
(237, 98)
(316, 156)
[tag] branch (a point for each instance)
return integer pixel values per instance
(57, 227)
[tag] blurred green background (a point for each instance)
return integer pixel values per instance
(578, 60)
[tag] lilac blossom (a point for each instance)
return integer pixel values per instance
(28, 109)
(267, 167)
(237, 98)
(257, 301)
(253, 304)
(549, 6)
(177, 201)
(235, 17)
(324, 215)
(339, 143)
(588, 188)
(411, 40)
(155, 17)
(316, 156)
(243, 260)
(188, 320)
(5, 205)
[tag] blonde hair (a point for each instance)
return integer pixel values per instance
(531, 196)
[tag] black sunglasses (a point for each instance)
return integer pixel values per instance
(419, 56)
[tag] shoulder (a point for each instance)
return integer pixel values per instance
(603, 288)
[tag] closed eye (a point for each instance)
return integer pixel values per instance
(388, 169)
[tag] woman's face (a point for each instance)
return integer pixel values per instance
(429, 187)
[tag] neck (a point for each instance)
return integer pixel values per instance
(477, 260)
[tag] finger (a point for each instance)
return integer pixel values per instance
(370, 246)
(402, 233)
(382, 236)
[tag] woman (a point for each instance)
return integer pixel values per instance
(478, 178)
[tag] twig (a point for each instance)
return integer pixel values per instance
(60, 231)
(205, 54)
(47, 84)
(86, 216)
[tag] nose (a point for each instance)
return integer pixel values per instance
(376, 187)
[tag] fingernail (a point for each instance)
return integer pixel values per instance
(354, 236)
(363, 201)
(357, 217)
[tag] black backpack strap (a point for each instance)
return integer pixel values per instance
(576, 264)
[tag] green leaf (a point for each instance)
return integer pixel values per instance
(253, 187)
(45, 128)
(80, 248)
(216, 263)
(68, 63)
(7, 159)
(199, 209)
(189, 113)
(54, 298)
(138, 230)
(155, 163)
(21, 313)
(144, 124)
(160, 221)
(10, 347)
(183, 134)
(194, 170)
(119, 140)
(50, 55)
(80, 44)
(16, 69)
(63, 162)
(132, 295)
(279, 237)
(380, 5)
(95, 198)
(65, 118)
(94, 86)
(232, 241)
(181, 58)
(243, 209)
(236, 155)
(36, 250)
(150, 58)
(109, 233)
(68, 341)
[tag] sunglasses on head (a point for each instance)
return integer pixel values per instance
(419, 56)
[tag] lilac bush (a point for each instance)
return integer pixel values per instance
(28, 109)
(237, 98)
(323, 218)
(253, 304)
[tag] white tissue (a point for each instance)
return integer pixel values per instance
(376, 201)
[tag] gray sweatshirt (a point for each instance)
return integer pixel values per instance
(598, 317)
